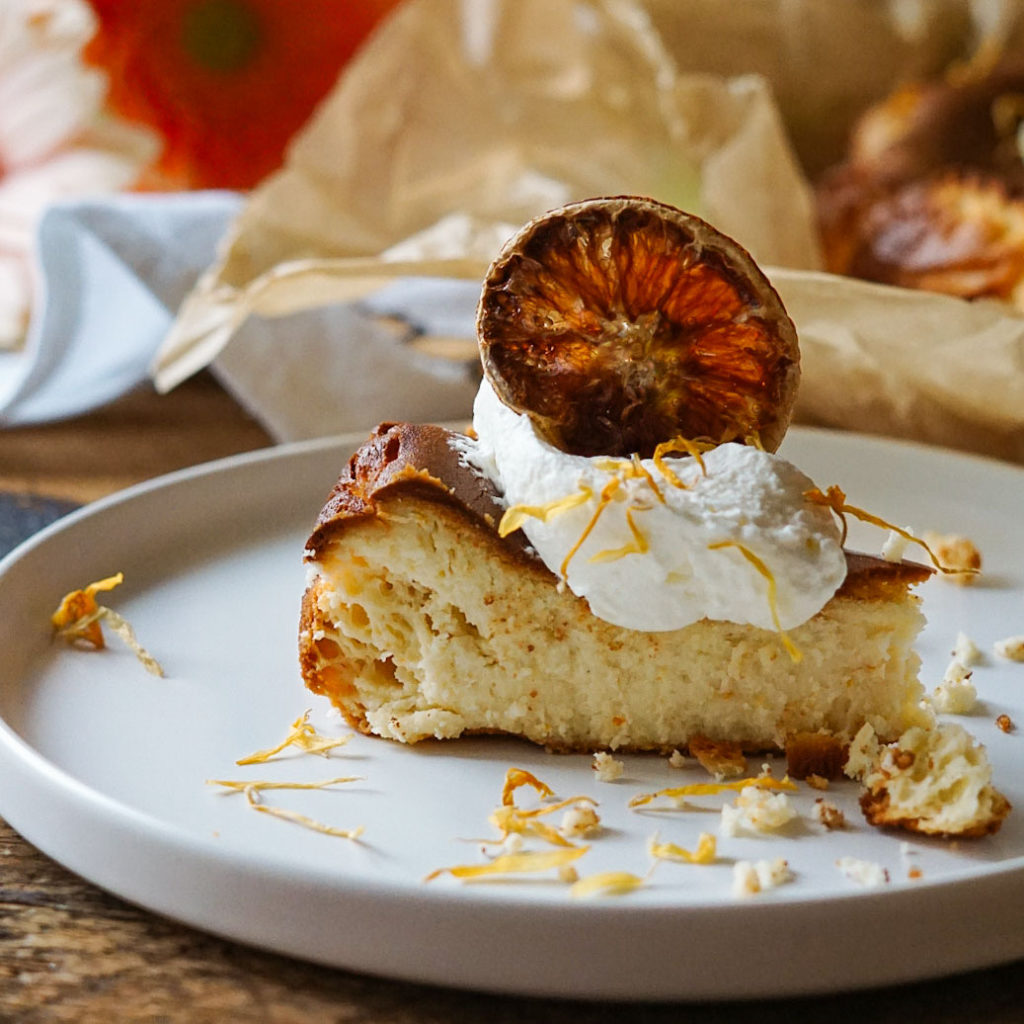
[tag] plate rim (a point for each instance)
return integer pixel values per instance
(150, 829)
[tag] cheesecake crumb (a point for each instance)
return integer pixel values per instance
(677, 760)
(722, 760)
(863, 872)
(935, 781)
(744, 879)
(828, 814)
(957, 553)
(895, 546)
(864, 752)
(756, 810)
(513, 843)
(608, 768)
(814, 753)
(956, 694)
(965, 650)
(752, 877)
(1012, 648)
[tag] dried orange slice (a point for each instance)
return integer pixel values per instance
(617, 324)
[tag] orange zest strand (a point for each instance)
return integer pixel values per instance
(637, 546)
(514, 516)
(680, 793)
(306, 822)
(608, 493)
(773, 600)
(640, 470)
(509, 818)
(516, 778)
(707, 850)
(835, 499)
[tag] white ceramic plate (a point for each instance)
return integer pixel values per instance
(104, 767)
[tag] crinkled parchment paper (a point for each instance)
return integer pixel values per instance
(459, 121)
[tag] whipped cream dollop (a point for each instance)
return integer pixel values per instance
(662, 549)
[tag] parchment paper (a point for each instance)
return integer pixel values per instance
(459, 121)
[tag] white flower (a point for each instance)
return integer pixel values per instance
(55, 141)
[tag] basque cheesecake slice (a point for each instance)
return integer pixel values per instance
(420, 621)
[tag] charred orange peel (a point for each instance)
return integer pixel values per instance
(705, 853)
(606, 883)
(79, 616)
(513, 863)
(510, 819)
(614, 883)
(516, 778)
(619, 322)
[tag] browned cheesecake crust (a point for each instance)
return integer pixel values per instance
(419, 460)
(420, 621)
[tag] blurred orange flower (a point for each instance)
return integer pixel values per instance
(56, 142)
(226, 83)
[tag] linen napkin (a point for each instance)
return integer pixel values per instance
(115, 269)
(112, 272)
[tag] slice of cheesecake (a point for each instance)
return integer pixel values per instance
(419, 621)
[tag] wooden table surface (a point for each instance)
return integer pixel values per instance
(70, 952)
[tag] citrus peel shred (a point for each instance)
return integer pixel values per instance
(259, 785)
(79, 616)
(675, 446)
(773, 599)
(834, 498)
(608, 493)
(516, 778)
(636, 546)
(510, 820)
(306, 822)
(514, 516)
(606, 883)
(303, 735)
(680, 793)
(705, 853)
(514, 864)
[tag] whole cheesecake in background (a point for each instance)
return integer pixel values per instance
(613, 559)
(931, 193)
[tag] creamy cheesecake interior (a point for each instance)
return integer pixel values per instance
(420, 622)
